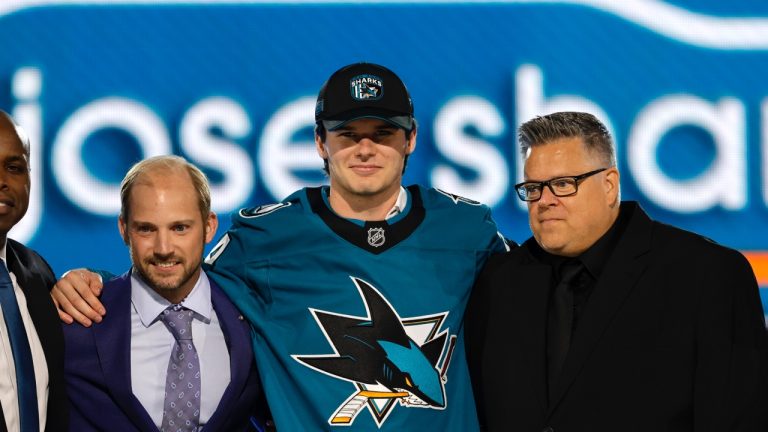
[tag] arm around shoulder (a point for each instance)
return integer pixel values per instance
(76, 297)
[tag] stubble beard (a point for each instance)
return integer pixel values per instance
(165, 286)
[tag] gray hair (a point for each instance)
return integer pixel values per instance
(544, 129)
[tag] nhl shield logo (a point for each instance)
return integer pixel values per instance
(376, 237)
(366, 87)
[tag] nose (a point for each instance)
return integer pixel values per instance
(547, 197)
(162, 246)
(3, 179)
(366, 147)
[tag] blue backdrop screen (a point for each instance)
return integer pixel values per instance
(231, 86)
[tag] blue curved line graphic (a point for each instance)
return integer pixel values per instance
(674, 22)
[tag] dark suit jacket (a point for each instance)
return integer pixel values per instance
(98, 369)
(672, 339)
(36, 278)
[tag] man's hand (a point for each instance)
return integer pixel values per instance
(75, 296)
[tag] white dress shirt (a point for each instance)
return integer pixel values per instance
(8, 392)
(400, 203)
(151, 345)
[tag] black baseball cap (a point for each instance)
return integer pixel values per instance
(364, 90)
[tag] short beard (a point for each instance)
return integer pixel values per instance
(165, 289)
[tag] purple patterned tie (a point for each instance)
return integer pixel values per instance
(181, 410)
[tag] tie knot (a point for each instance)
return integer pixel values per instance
(570, 271)
(178, 320)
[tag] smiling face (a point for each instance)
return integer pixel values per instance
(568, 226)
(14, 176)
(366, 159)
(166, 232)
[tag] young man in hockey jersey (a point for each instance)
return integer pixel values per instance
(356, 291)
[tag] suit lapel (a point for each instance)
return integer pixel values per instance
(42, 313)
(35, 278)
(113, 344)
(528, 301)
(620, 275)
(237, 336)
(26, 282)
(534, 339)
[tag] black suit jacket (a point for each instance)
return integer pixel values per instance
(672, 339)
(36, 279)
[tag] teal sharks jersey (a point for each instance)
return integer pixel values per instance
(359, 324)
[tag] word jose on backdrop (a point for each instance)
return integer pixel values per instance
(212, 132)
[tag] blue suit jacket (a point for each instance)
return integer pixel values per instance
(98, 369)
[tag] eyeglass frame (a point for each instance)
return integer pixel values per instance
(548, 183)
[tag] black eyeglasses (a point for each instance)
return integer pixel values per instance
(559, 186)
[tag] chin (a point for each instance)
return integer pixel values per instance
(165, 285)
(551, 246)
(368, 191)
(553, 250)
(159, 283)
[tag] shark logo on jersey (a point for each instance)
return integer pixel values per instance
(252, 212)
(388, 359)
(457, 198)
(376, 237)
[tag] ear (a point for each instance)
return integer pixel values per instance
(123, 229)
(211, 225)
(411, 145)
(611, 184)
(320, 147)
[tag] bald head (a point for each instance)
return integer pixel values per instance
(9, 129)
(14, 174)
(154, 169)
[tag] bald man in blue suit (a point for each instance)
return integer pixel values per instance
(117, 371)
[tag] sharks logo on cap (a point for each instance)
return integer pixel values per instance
(366, 87)
(387, 358)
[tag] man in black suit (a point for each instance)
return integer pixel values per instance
(32, 394)
(606, 320)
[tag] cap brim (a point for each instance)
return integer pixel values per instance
(403, 122)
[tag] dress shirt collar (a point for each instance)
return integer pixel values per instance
(150, 304)
(400, 203)
(594, 258)
(3, 253)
